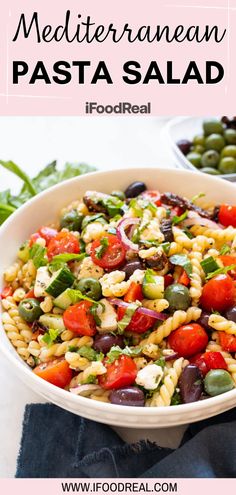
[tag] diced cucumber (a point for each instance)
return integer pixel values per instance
(63, 301)
(52, 321)
(60, 281)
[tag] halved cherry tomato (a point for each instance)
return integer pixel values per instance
(7, 291)
(188, 339)
(79, 320)
(227, 342)
(153, 197)
(183, 278)
(168, 280)
(134, 293)
(56, 372)
(114, 253)
(218, 294)
(139, 323)
(63, 242)
(121, 373)
(209, 361)
(47, 233)
(227, 215)
(228, 259)
(30, 294)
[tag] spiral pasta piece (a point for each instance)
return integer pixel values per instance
(17, 330)
(167, 389)
(181, 238)
(221, 324)
(196, 277)
(172, 323)
(219, 235)
(58, 350)
(158, 305)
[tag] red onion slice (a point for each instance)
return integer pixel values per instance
(143, 311)
(195, 219)
(122, 225)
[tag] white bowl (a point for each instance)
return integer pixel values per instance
(186, 128)
(43, 209)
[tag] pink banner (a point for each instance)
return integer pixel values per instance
(109, 486)
(154, 57)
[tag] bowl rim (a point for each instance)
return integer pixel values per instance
(12, 356)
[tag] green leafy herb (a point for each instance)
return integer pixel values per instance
(60, 260)
(101, 250)
(129, 312)
(113, 205)
(46, 178)
(76, 295)
(166, 247)
(223, 270)
(38, 255)
(182, 260)
(72, 348)
(88, 353)
(225, 249)
(197, 196)
(161, 362)
(98, 217)
(89, 380)
(176, 399)
(209, 265)
(50, 336)
(177, 219)
(188, 233)
(116, 351)
(94, 312)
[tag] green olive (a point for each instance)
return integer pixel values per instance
(212, 126)
(29, 310)
(90, 287)
(194, 158)
(178, 297)
(217, 382)
(118, 194)
(210, 158)
(198, 149)
(229, 150)
(199, 140)
(227, 165)
(230, 136)
(71, 220)
(210, 171)
(215, 142)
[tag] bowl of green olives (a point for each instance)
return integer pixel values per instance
(205, 144)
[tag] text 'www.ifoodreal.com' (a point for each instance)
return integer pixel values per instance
(119, 487)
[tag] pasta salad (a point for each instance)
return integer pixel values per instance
(129, 298)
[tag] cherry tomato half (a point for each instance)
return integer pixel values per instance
(47, 233)
(218, 294)
(227, 342)
(113, 255)
(188, 339)
(63, 242)
(139, 323)
(121, 373)
(79, 320)
(56, 372)
(168, 280)
(209, 361)
(7, 291)
(227, 215)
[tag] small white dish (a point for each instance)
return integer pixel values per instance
(186, 128)
(44, 208)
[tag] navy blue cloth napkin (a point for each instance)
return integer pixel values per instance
(58, 444)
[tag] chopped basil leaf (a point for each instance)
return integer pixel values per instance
(72, 348)
(88, 353)
(76, 295)
(101, 250)
(182, 260)
(129, 312)
(94, 312)
(98, 217)
(60, 260)
(209, 265)
(50, 336)
(116, 351)
(37, 254)
(197, 196)
(166, 247)
(177, 219)
(225, 249)
(176, 399)
(188, 233)
(223, 270)
(161, 362)
(89, 380)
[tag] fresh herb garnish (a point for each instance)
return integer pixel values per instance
(223, 270)
(98, 217)
(50, 337)
(188, 233)
(37, 254)
(60, 260)
(225, 249)
(182, 260)
(116, 351)
(129, 312)
(73, 348)
(101, 250)
(177, 219)
(88, 353)
(89, 380)
(176, 399)
(197, 196)
(161, 362)
(94, 312)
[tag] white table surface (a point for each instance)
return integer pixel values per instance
(106, 143)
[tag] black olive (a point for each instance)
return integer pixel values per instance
(128, 396)
(103, 343)
(231, 314)
(134, 189)
(184, 145)
(130, 267)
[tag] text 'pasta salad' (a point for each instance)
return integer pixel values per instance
(129, 299)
